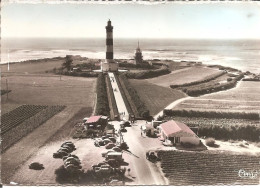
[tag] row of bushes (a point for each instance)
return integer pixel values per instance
(250, 133)
(102, 106)
(213, 88)
(144, 65)
(123, 92)
(148, 73)
(211, 114)
(81, 74)
(206, 79)
(140, 106)
(220, 67)
(257, 79)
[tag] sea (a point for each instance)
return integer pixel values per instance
(241, 54)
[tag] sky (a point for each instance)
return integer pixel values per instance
(175, 20)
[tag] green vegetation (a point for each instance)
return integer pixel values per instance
(102, 106)
(222, 128)
(212, 114)
(139, 104)
(211, 86)
(24, 119)
(148, 73)
(68, 62)
(206, 168)
(155, 97)
(206, 79)
(144, 65)
(111, 98)
(81, 74)
(19, 115)
(210, 142)
(125, 95)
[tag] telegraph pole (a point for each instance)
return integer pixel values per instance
(7, 88)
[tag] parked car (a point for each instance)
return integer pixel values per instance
(110, 146)
(117, 149)
(106, 141)
(106, 152)
(113, 139)
(36, 166)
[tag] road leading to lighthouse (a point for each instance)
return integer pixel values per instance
(118, 97)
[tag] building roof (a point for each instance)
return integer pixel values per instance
(93, 119)
(176, 129)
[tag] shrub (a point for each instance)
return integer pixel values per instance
(102, 106)
(204, 89)
(187, 145)
(229, 79)
(206, 79)
(212, 114)
(148, 74)
(210, 142)
(139, 104)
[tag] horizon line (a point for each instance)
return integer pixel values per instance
(133, 38)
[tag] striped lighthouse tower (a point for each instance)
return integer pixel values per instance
(109, 41)
(109, 64)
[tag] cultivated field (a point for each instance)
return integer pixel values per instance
(208, 168)
(155, 97)
(244, 98)
(46, 140)
(31, 86)
(184, 75)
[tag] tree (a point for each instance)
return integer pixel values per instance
(68, 62)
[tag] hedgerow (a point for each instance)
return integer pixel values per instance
(212, 114)
(140, 106)
(206, 79)
(222, 128)
(102, 106)
(200, 90)
(148, 73)
(81, 74)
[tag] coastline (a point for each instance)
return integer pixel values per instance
(43, 60)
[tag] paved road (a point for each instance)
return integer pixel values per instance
(118, 96)
(145, 172)
(171, 106)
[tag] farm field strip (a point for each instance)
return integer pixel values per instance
(242, 98)
(207, 168)
(183, 76)
(30, 144)
(201, 122)
(18, 115)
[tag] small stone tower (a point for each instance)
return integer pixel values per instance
(138, 55)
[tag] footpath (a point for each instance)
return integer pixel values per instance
(124, 115)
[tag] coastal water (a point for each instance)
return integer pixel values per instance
(241, 54)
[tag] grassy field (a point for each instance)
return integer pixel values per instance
(155, 97)
(31, 85)
(33, 67)
(244, 98)
(48, 90)
(208, 168)
(182, 76)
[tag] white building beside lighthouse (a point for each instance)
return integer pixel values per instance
(109, 65)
